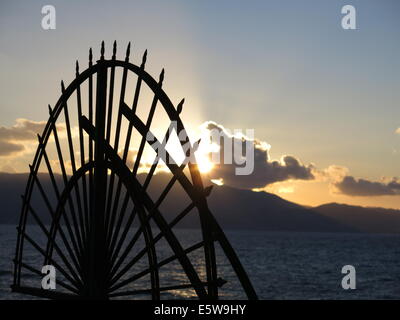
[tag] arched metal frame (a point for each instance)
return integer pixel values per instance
(94, 237)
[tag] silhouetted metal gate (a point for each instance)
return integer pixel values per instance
(90, 235)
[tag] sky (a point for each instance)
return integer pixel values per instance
(325, 99)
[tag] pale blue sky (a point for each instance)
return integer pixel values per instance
(285, 68)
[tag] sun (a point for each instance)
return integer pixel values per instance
(204, 164)
(203, 160)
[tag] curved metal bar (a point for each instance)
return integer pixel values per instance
(60, 208)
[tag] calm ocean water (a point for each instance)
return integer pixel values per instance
(282, 265)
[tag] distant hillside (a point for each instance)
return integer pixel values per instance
(12, 186)
(233, 208)
(364, 219)
(246, 209)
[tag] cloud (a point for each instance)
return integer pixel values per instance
(334, 173)
(13, 139)
(266, 171)
(9, 148)
(365, 188)
(276, 175)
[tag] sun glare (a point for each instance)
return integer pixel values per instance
(204, 164)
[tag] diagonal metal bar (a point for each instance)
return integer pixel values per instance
(159, 265)
(111, 243)
(36, 271)
(127, 144)
(131, 263)
(59, 251)
(123, 209)
(135, 188)
(136, 237)
(65, 179)
(53, 262)
(80, 227)
(54, 183)
(51, 212)
(64, 197)
(121, 215)
(209, 249)
(148, 125)
(115, 233)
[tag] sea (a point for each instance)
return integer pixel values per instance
(281, 265)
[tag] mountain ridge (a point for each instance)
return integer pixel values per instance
(239, 209)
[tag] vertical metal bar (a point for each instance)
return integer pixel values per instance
(111, 95)
(90, 140)
(97, 248)
(64, 175)
(117, 135)
(82, 154)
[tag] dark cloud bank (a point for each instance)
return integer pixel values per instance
(12, 138)
(364, 188)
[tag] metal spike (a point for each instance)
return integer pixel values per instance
(180, 106)
(207, 190)
(114, 49)
(128, 51)
(196, 145)
(39, 138)
(90, 57)
(194, 148)
(221, 282)
(62, 86)
(161, 78)
(144, 58)
(77, 68)
(102, 50)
